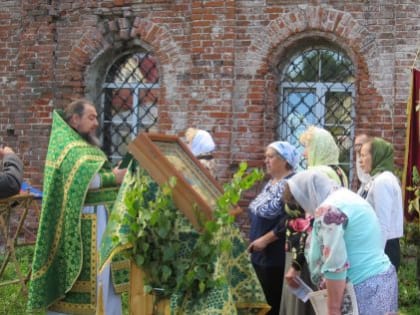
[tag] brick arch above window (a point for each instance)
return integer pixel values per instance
(305, 21)
(109, 37)
(283, 36)
(261, 58)
(111, 33)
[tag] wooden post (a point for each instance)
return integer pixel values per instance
(140, 302)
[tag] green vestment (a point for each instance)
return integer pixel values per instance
(64, 258)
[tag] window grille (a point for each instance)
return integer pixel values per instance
(128, 99)
(317, 88)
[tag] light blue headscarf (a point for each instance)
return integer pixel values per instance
(287, 151)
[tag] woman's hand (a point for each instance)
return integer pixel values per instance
(258, 245)
(235, 211)
(290, 277)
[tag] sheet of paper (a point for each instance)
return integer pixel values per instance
(302, 291)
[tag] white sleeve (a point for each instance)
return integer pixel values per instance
(95, 182)
(381, 198)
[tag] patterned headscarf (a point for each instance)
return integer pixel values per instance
(287, 151)
(382, 156)
(310, 188)
(321, 146)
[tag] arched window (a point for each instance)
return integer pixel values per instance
(128, 99)
(317, 88)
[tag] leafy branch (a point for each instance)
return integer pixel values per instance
(175, 258)
(414, 203)
(413, 228)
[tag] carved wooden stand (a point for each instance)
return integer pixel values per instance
(16, 204)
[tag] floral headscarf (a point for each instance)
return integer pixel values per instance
(382, 156)
(323, 154)
(321, 146)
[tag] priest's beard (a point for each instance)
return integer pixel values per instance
(91, 138)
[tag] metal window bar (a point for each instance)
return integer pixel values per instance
(128, 101)
(317, 88)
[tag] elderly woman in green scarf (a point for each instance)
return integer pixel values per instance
(383, 192)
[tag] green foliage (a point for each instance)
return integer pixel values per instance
(409, 273)
(152, 230)
(13, 301)
(409, 291)
(12, 297)
(412, 229)
(412, 232)
(414, 202)
(155, 231)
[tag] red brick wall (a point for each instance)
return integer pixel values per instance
(217, 61)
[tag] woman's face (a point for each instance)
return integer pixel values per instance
(366, 158)
(275, 165)
(305, 152)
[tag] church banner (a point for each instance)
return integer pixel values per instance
(412, 147)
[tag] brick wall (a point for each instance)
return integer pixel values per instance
(217, 61)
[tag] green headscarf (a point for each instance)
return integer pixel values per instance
(382, 156)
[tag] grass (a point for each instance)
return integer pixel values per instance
(13, 300)
(409, 291)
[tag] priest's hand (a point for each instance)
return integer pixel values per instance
(119, 174)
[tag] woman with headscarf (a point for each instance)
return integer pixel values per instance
(383, 192)
(322, 154)
(345, 245)
(202, 145)
(267, 232)
(362, 176)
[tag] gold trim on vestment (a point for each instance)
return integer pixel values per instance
(71, 308)
(58, 231)
(81, 286)
(93, 256)
(89, 286)
(264, 308)
(57, 163)
(118, 265)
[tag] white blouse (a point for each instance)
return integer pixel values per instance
(384, 194)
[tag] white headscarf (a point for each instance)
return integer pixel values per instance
(202, 143)
(310, 188)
